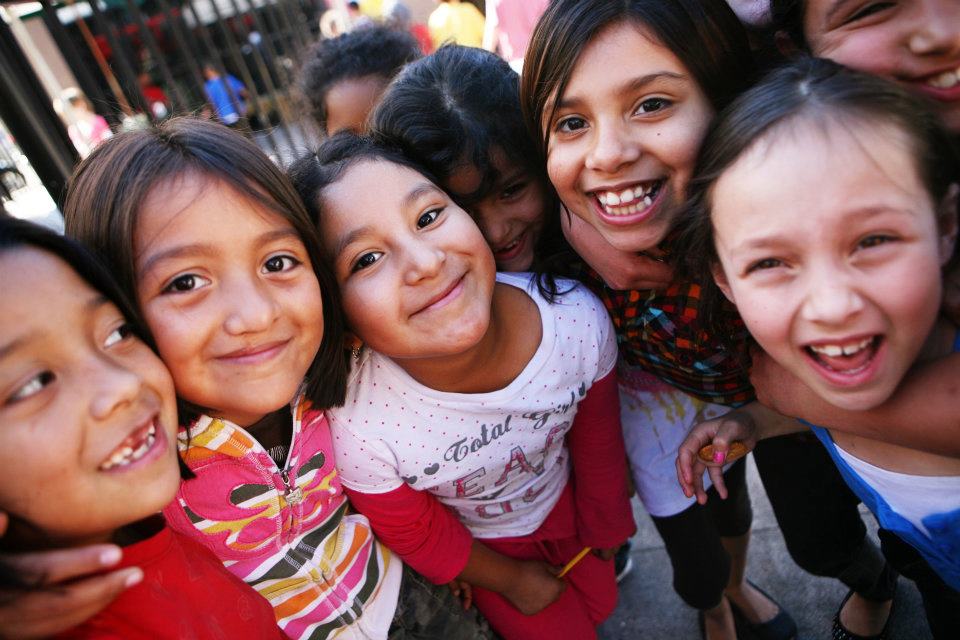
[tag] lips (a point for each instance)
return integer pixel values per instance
(512, 249)
(255, 354)
(134, 447)
(630, 204)
(445, 297)
(848, 362)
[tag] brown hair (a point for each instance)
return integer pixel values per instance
(705, 35)
(106, 191)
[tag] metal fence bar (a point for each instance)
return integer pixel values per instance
(187, 43)
(129, 85)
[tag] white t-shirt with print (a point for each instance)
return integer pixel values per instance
(497, 459)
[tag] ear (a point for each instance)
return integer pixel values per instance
(721, 279)
(351, 341)
(947, 223)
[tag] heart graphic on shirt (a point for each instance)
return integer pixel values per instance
(432, 469)
(410, 479)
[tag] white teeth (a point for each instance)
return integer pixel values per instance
(836, 350)
(126, 455)
(946, 80)
(612, 199)
(628, 201)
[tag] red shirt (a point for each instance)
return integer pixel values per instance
(185, 593)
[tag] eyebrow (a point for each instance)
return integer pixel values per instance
(411, 198)
(200, 249)
(631, 85)
(90, 306)
(864, 213)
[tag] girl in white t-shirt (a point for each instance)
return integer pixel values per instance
(480, 434)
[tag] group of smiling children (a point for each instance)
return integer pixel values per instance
(409, 373)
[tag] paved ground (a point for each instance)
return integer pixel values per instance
(649, 609)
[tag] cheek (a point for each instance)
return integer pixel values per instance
(872, 52)
(561, 174)
(179, 342)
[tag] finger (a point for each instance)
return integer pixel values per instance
(51, 611)
(716, 475)
(66, 564)
(467, 596)
(683, 473)
(697, 483)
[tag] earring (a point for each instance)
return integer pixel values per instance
(355, 351)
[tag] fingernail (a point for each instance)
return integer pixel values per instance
(719, 456)
(110, 556)
(136, 575)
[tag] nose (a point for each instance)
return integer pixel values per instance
(936, 28)
(251, 306)
(611, 148)
(830, 299)
(422, 259)
(115, 387)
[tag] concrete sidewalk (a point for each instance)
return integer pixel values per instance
(649, 609)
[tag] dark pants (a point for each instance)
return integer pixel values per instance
(426, 611)
(818, 515)
(940, 601)
(701, 566)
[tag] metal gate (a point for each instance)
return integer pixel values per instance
(138, 61)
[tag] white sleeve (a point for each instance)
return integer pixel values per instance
(368, 466)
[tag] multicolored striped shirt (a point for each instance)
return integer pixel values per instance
(288, 533)
(662, 332)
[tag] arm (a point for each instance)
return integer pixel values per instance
(621, 270)
(72, 590)
(598, 455)
(923, 413)
(428, 537)
(490, 28)
(746, 425)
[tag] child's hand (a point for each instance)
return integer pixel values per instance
(73, 596)
(536, 587)
(619, 269)
(721, 432)
(463, 591)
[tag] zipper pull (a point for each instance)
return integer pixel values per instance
(293, 495)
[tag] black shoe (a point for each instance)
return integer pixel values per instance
(781, 627)
(840, 632)
(622, 563)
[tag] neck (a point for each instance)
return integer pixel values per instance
(940, 341)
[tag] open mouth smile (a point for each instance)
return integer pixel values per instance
(630, 201)
(512, 249)
(133, 448)
(848, 362)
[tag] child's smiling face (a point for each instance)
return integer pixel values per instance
(831, 249)
(88, 410)
(415, 274)
(914, 42)
(230, 296)
(625, 135)
(511, 214)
